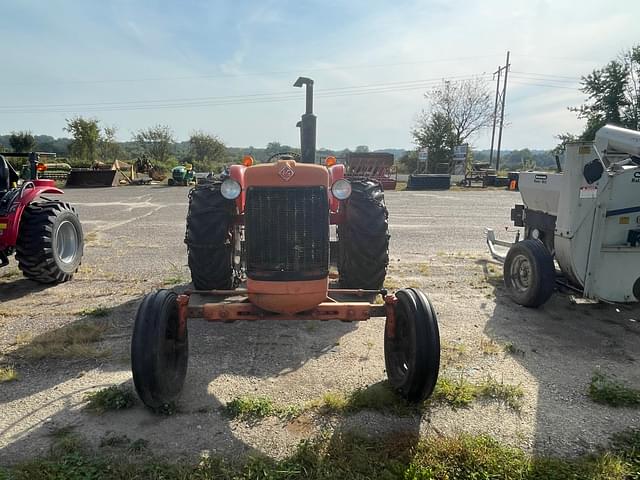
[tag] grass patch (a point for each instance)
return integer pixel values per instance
(451, 354)
(460, 392)
(258, 407)
(423, 268)
(8, 374)
(391, 283)
(174, 280)
(90, 237)
(349, 457)
(379, 397)
(73, 341)
(10, 273)
(97, 312)
(612, 392)
(116, 397)
(510, 395)
(454, 392)
(490, 347)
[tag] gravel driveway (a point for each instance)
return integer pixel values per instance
(134, 244)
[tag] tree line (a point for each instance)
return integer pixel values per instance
(91, 143)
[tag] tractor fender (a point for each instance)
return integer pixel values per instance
(10, 235)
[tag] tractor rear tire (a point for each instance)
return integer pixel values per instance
(209, 238)
(363, 238)
(529, 273)
(158, 356)
(50, 242)
(412, 353)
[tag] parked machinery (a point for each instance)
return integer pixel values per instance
(269, 224)
(45, 235)
(587, 219)
(377, 166)
(182, 175)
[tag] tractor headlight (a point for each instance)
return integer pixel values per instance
(341, 189)
(230, 189)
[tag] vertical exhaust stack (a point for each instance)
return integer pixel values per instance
(307, 124)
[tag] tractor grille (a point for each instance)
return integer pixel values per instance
(287, 233)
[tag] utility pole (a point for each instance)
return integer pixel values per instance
(504, 95)
(495, 112)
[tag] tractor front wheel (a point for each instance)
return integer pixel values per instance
(50, 242)
(412, 346)
(159, 351)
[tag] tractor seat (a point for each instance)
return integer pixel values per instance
(8, 175)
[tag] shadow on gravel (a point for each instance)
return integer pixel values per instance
(46, 397)
(561, 345)
(21, 287)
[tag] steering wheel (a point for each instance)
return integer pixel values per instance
(296, 156)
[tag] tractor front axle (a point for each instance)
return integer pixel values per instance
(194, 304)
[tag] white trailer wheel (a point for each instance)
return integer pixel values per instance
(529, 273)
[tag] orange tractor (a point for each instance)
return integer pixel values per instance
(269, 225)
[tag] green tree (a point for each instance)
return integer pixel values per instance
(206, 151)
(613, 96)
(362, 149)
(157, 142)
(108, 146)
(458, 110)
(408, 162)
(22, 141)
(438, 137)
(86, 135)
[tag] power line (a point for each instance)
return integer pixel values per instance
(252, 74)
(547, 75)
(546, 85)
(553, 81)
(256, 95)
(231, 99)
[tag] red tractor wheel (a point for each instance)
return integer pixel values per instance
(159, 353)
(50, 242)
(412, 351)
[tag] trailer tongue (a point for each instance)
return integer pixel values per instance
(587, 219)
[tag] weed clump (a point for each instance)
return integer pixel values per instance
(116, 397)
(612, 392)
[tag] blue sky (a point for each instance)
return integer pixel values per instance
(202, 65)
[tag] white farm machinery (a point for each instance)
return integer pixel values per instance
(586, 218)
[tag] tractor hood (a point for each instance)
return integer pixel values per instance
(286, 173)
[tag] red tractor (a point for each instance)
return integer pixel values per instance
(269, 225)
(45, 234)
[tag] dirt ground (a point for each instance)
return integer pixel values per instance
(134, 244)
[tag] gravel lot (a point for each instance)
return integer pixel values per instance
(134, 245)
